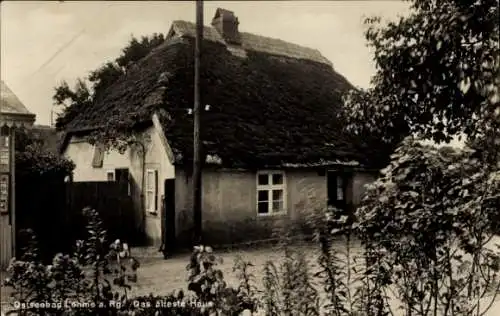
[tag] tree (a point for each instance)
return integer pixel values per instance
(40, 191)
(82, 95)
(105, 76)
(428, 219)
(135, 50)
(430, 216)
(72, 101)
(437, 73)
(37, 163)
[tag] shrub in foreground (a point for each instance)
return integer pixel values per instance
(424, 228)
(96, 278)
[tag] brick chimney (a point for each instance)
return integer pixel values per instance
(226, 23)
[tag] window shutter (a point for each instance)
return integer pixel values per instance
(98, 156)
(156, 190)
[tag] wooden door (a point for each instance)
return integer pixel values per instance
(337, 190)
(168, 218)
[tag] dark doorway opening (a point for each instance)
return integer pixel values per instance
(168, 218)
(337, 189)
(122, 176)
(337, 196)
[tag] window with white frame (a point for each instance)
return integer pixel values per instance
(151, 195)
(271, 192)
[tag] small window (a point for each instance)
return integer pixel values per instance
(277, 178)
(271, 193)
(263, 195)
(263, 207)
(263, 179)
(110, 176)
(263, 201)
(278, 201)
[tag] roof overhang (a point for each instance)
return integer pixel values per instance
(13, 113)
(17, 120)
(84, 131)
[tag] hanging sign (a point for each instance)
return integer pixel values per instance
(4, 154)
(4, 194)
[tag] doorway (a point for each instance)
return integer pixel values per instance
(168, 218)
(122, 176)
(336, 183)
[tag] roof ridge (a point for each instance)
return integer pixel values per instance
(290, 43)
(212, 31)
(253, 34)
(279, 39)
(265, 117)
(167, 42)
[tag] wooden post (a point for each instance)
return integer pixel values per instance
(6, 227)
(12, 149)
(197, 192)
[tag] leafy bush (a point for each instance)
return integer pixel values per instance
(207, 283)
(209, 294)
(424, 227)
(288, 287)
(70, 282)
(354, 284)
(40, 193)
(95, 279)
(34, 161)
(428, 222)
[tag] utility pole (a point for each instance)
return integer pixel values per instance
(197, 218)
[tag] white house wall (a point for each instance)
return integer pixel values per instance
(82, 153)
(156, 158)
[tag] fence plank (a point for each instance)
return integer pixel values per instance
(111, 201)
(53, 210)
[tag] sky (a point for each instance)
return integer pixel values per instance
(46, 42)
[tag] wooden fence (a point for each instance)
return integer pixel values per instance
(115, 207)
(53, 211)
(41, 207)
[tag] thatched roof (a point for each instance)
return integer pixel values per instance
(12, 110)
(271, 102)
(252, 42)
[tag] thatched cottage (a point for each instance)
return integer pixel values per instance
(272, 143)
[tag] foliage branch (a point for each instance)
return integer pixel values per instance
(430, 214)
(437, 74)
(86, 90)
